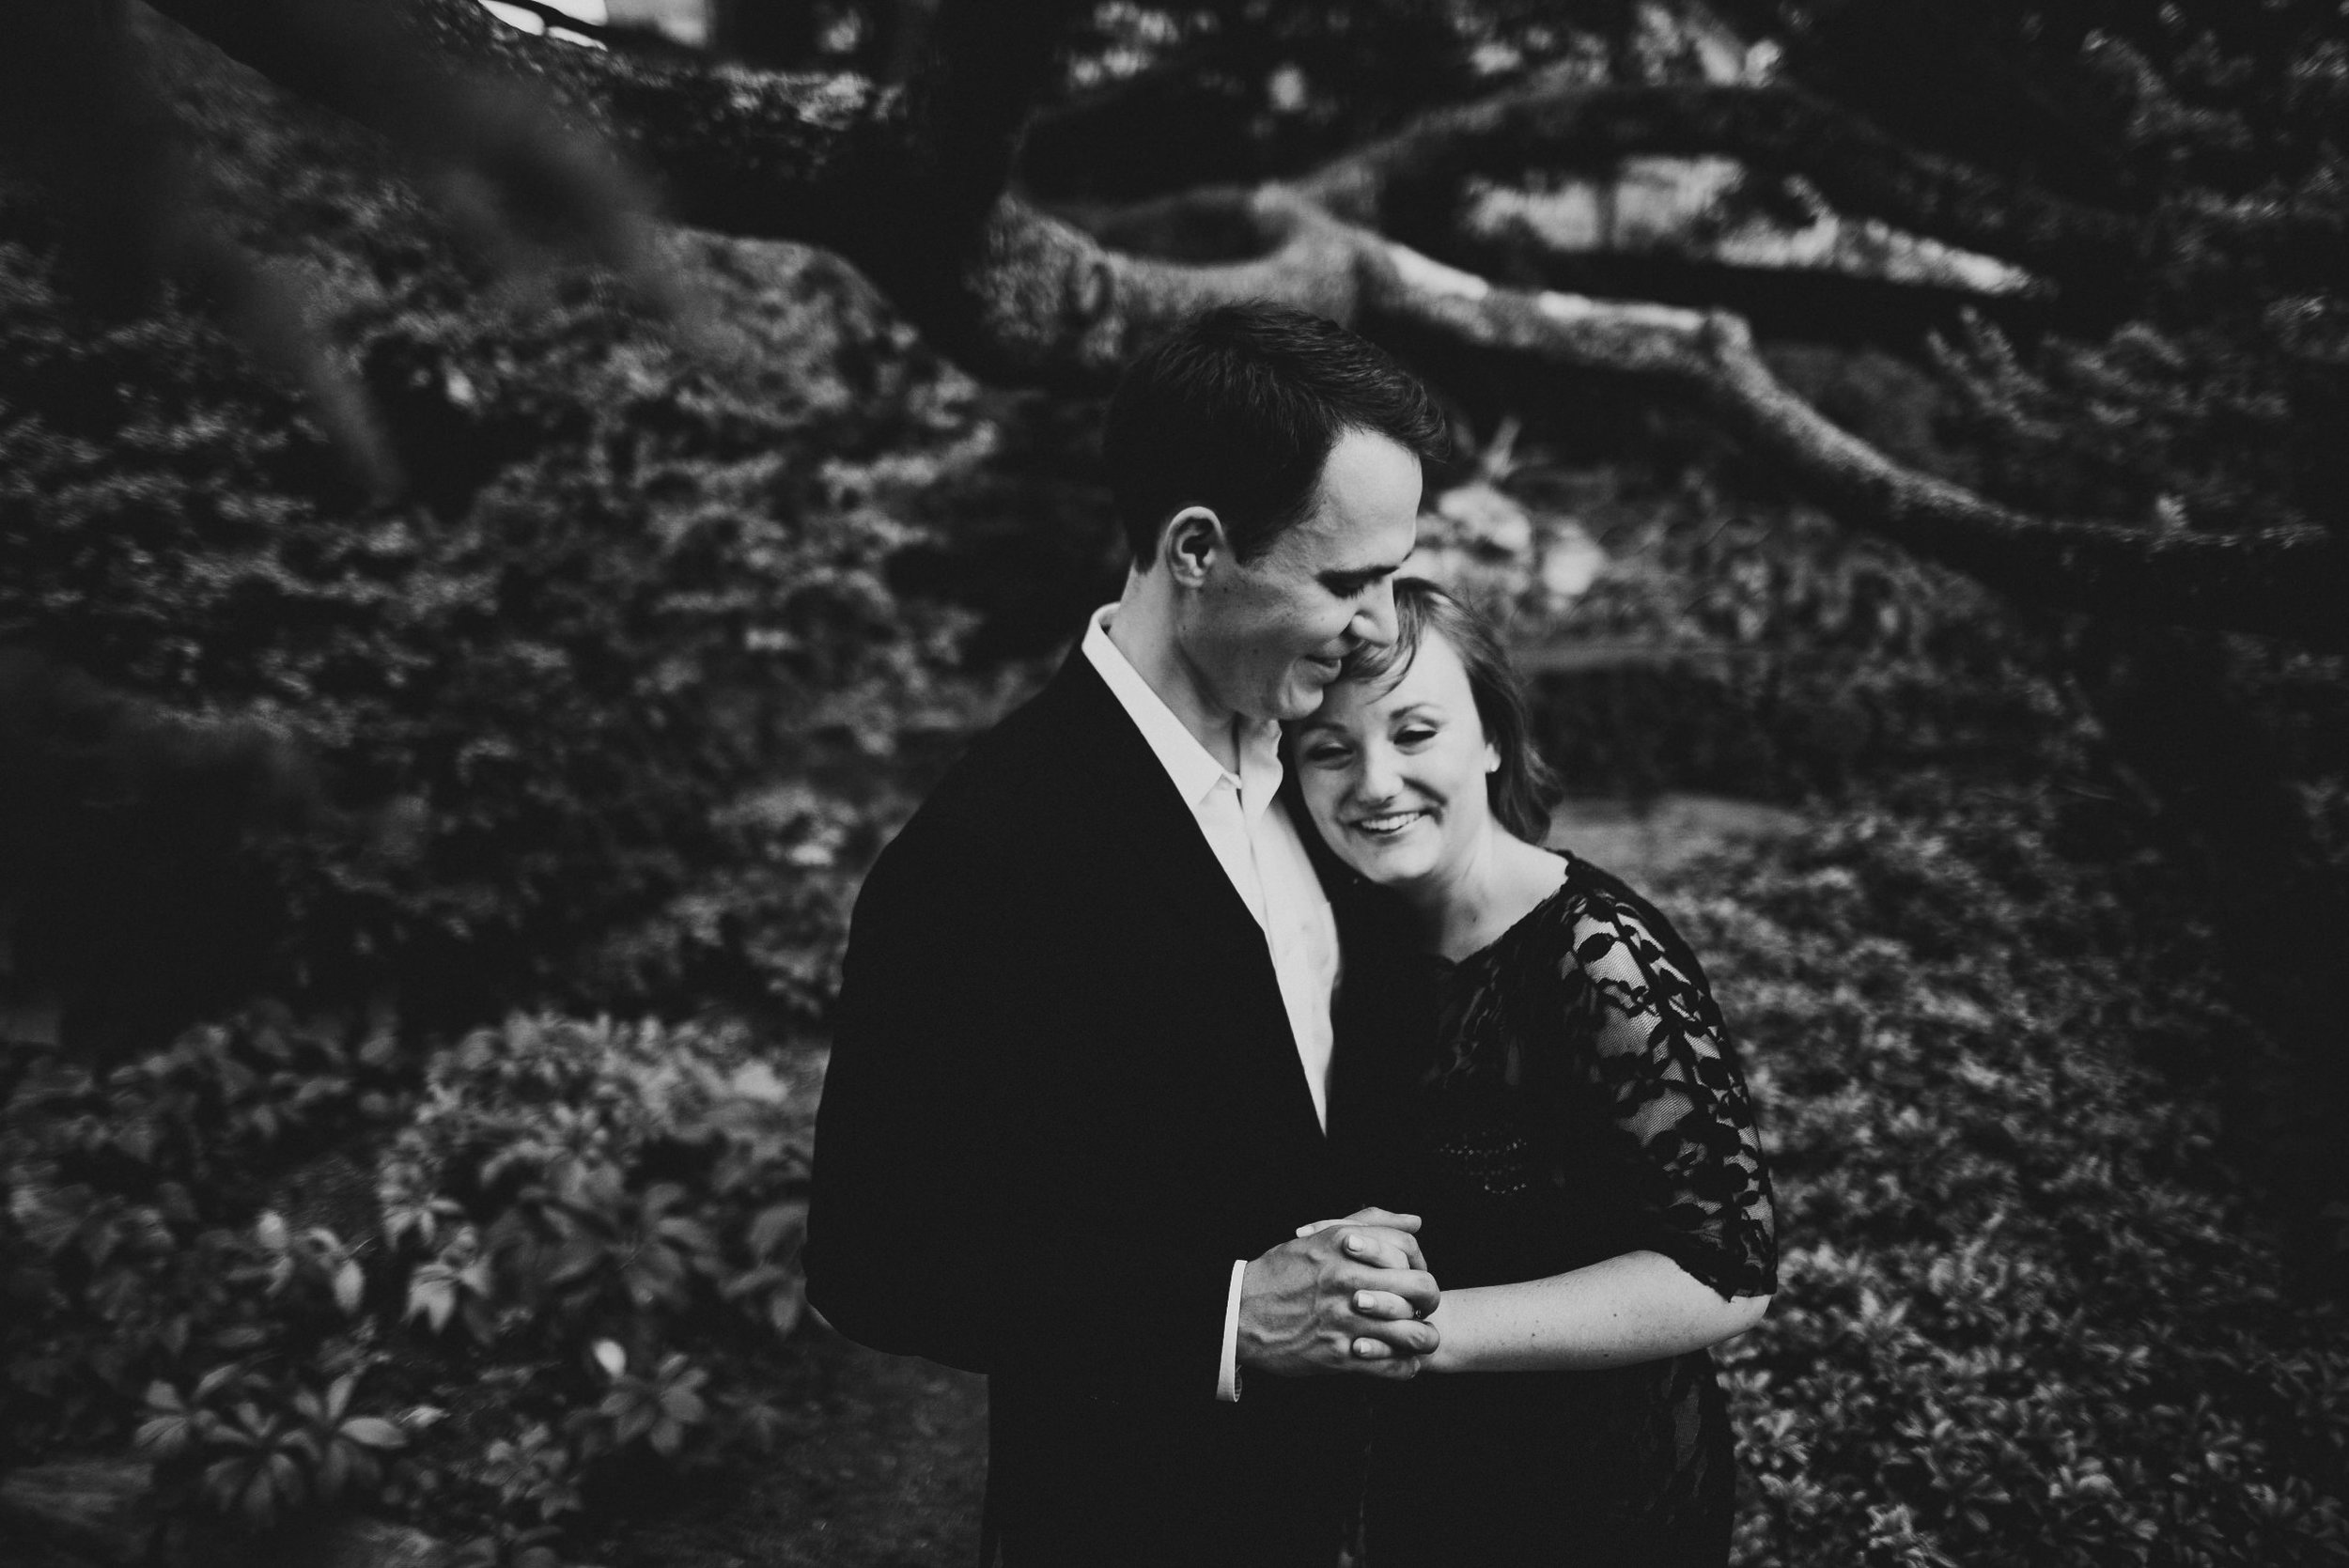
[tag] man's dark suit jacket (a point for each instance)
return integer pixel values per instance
(1063, 1099)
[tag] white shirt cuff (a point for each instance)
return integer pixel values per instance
(1227, 1368)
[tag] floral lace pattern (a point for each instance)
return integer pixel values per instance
(1583, 1101)
(1595, 1010)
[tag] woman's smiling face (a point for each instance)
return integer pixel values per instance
(1394, 773)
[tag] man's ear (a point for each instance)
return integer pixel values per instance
(1192, 541)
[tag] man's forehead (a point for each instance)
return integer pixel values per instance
(1366, 498)
(1332, 540)
(1364, 466)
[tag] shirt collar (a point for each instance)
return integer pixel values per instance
(1191, 765)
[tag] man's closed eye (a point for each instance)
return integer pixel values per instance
(1352, 585)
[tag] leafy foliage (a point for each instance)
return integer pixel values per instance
(151, 1281)
(606, 709)
(1747, 645)
(582, 1249)
(2025, 1314)
(2188, 384)
(610, 1214)
(270, 1462)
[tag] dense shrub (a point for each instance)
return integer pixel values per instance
(609, 1213)
(609, 709)
(2026, 1315)
(138, 1238)
(606, 704)
(571, 1246)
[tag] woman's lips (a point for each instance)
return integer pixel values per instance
(1387, 824)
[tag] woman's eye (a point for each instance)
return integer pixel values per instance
(1325, 756)
(1417, 735)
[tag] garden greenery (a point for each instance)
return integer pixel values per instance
(2025, 1314)
(607, 712)
(602, 712)
(580, 1246)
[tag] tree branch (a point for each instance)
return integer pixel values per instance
(1553, 121)
(1034, 300)
(1047, 304)
(758, 154)
(1060, 309)
(904, 181)
(2291, 583)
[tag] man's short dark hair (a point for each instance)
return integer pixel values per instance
(1236, 411)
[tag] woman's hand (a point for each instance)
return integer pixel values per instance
(1391, 1241)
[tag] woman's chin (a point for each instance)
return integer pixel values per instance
(1388, 865)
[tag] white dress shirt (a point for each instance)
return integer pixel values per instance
(1260, 852)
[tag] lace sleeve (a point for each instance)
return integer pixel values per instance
(1661, 1068)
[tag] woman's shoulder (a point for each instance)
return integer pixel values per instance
(1593, 886)
(1588, 897)
(1601, 910)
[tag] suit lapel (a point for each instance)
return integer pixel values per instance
(1142, 831)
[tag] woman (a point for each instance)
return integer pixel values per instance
(1580, 1146)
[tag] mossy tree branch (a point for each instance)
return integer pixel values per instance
(910, 187)
(1558, 122)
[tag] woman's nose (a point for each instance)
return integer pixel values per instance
(1376, 780)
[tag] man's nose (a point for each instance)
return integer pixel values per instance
(1373, 623)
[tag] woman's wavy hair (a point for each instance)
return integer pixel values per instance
(1524, 787)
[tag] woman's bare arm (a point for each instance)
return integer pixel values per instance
(1635, 1307)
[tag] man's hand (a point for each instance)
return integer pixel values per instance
(1346, 1295)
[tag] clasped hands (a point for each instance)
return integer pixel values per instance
(1348, 1295)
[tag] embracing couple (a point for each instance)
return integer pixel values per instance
(1313, 1162)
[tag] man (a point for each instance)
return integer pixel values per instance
(1086, 1082)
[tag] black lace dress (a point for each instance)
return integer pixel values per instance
(1582, 1102)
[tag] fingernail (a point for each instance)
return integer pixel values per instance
(1361, 1300)
(1353, 1244)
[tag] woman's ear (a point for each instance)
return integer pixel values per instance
(1492, 758)
(1192, 539)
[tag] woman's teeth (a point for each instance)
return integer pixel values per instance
(1393, 822)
